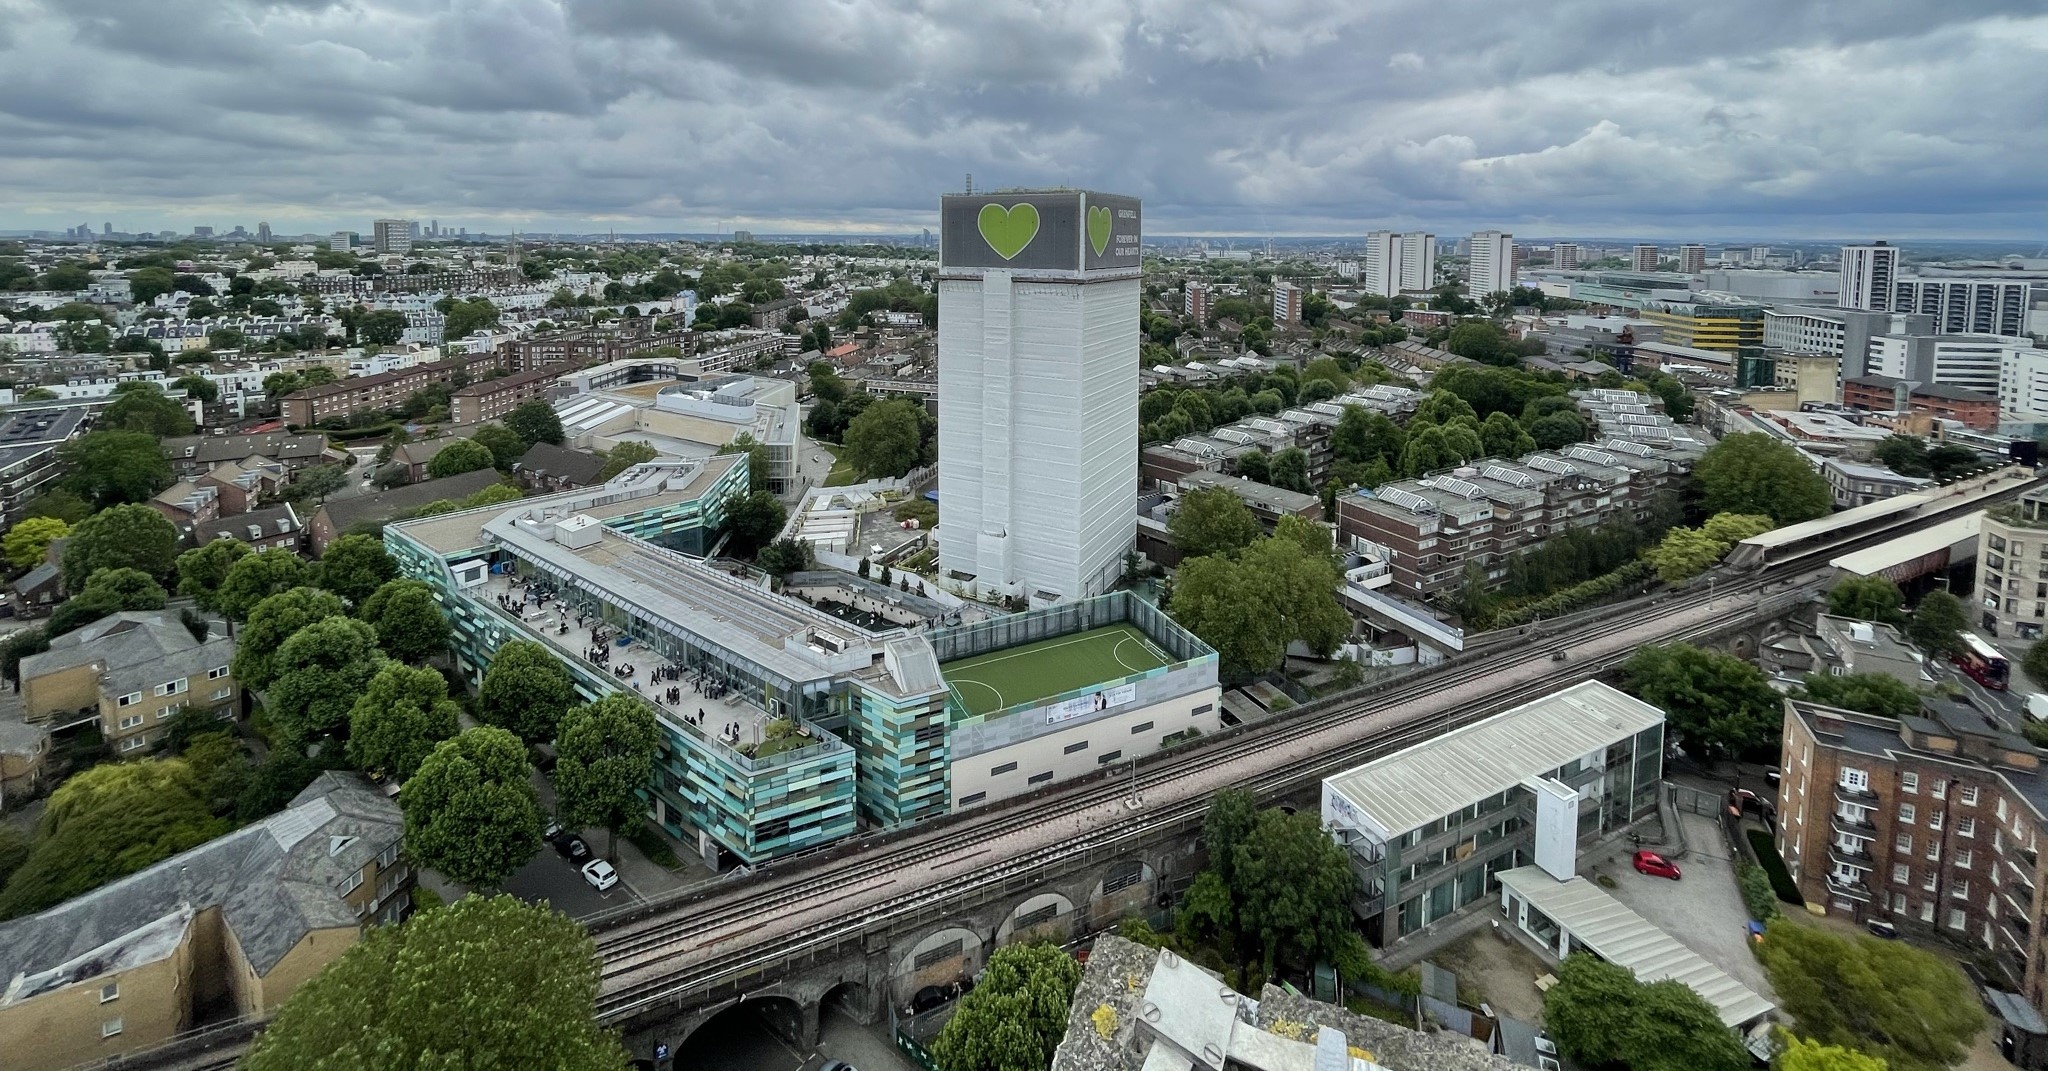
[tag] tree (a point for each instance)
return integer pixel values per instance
(108, 468)
(408, 620)
(355, 566)
(123, 537)
(605, 757)
(1733, 528)
(624, 456)
(1601, 1016)
(1717, 702)
(1871, 693)
(458, 457)
(884, 440)
(479, 983)
(125, 589)
(1363, 435)
(1256, 466)
(202, 570)
(1884, 998)
(316, 482)
(2036, 663)
(1212, 520)
(1290, 470)
(1016, 1014)
(1504, 437)
(464, 318)
(1684, 553)
(256, 577)
(321, 671)
(753, 519)
(1292, 885)
(535, 422)
(1482, 341)
(144, 285)
(30, 539)
(383, 327)
(1800, 1054)
(1754, 473)
(199, 387)
(272, 622)
(526, 691)
(106, 823)
(505, 445)
(470, 810)
(1558, 430)
(402, 715)
(1866, 598)
(1251, 607)
(826, 385)
(1937, 624)
(784, 556)
(145, 408)
(757, 459)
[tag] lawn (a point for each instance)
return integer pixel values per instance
(1018, 676)
(842, 470)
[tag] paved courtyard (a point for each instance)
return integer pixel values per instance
(1703, 909)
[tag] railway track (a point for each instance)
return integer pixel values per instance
(659, 959)
(662, 951)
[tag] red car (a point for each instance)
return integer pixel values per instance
(1656, 865)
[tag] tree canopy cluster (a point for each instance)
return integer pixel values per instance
(479, 983)
(1715, 702)
(1752, 473)
(1250, 603)
(1602, 1017)
(1885, 999)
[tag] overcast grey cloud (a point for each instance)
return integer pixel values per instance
(1745, 117)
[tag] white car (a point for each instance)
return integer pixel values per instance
(600, 875)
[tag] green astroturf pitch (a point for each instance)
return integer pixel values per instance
(1036, 671)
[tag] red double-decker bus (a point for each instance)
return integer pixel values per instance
(1983, 663)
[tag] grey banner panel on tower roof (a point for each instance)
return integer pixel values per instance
(1011, 230)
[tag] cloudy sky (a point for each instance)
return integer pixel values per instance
(1737, 118)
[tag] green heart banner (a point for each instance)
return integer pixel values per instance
(1009, 230)
(1099, 224)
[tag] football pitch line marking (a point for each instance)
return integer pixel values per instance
(958, 681)
(991, 660)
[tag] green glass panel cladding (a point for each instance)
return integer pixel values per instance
(686, 527)
(902, 756)
(756, 809)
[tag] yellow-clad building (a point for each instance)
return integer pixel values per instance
(1708, 325)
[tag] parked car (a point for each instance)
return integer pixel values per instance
(600, 875)
(553, 830)
(1773, 775)
(1655, 865)
(572, 848)
(836, 1065)
(1881, 928)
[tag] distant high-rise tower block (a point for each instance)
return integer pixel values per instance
(1868, 274)
(1645, 258)
(1195, 305)
(1397, 262)
(1038, 378)
(392, 236)
(339, 241)
(1692, 259)
(1564, 255)
(1286, 305)
(1491, 264)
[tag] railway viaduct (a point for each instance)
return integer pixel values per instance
(868, 972)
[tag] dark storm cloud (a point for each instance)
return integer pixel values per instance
(1748, 116)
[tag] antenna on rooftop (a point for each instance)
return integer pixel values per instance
(970, 182)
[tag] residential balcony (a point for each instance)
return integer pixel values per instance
(1852, 890)
(1862, 797)
(1857, 857)
(1855, 827)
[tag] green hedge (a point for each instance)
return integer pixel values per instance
(1774, 868)
(349, 435)
(1577, 597)
(1757, 894)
